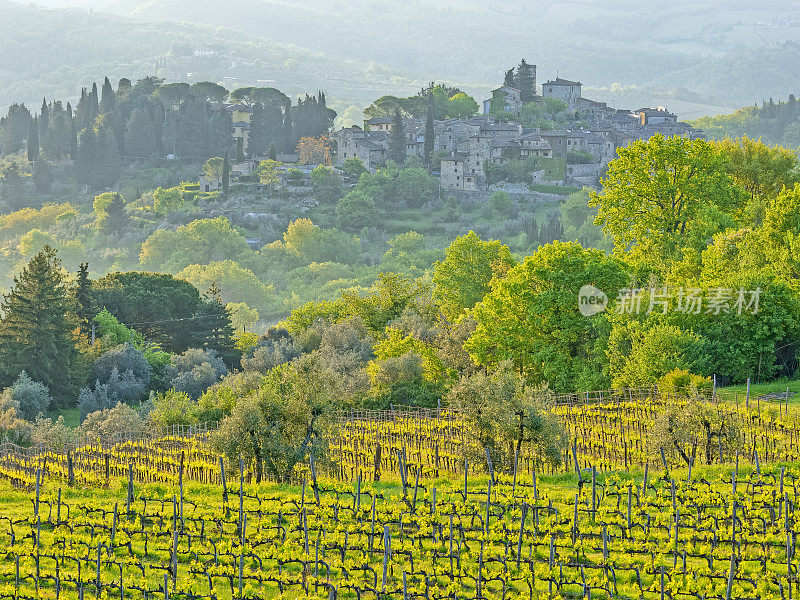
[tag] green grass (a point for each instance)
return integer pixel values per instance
(72, 416)
(777, 385)
(561, 190)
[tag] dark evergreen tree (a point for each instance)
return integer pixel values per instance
(15, 127)
(239, 150)
(257, 139)
(215, 328)
(82, 111)
(94, 104)
(509, 79)
(430, 137)
(115, 218)
(107, 98)
(39, 330)
(44, 123)
(85, 306)
(273, 153)
(99, 164)
(73, 140)
(221, 131)
(193, 129)
(226, 173)
(33, 140)
(397, 139)
(42, 176)
(11, 187)
(526, 81)
(140, 134)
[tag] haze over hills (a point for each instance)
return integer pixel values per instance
(697, 58)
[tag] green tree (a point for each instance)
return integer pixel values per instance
(461, 106)
(663, 195)
(167, 201)
(39, 330)
(464, 277)
(356, 211)
(397, 140)
(213, 168)
(501, 203)
(269, 173)
(239, 150)
(327, 184)
(531, 318)
(353, 168)
(216, 327)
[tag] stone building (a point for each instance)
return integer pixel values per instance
(454, 173)
(563, 89)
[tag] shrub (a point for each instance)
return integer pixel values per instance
(109, 422)
(27, 397)
(173, 407)
(123, 358)
(123, 387)
(269, 354)
(194, 371)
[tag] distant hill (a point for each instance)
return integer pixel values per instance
(697, 58)
(772, 122)
(53, 52)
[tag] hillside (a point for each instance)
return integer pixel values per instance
(713, 51)
(54, 52)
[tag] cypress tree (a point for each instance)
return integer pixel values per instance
(509, 79)
(397, 139)
(73, 140)
(239, 150)
(39, 331)
(107, 98)
(33, 140)
(86, 308)
(430, 136)
(257, 140)
(273, 154)
(93, 105)
(226, 173)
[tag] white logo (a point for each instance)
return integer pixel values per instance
(591, 300)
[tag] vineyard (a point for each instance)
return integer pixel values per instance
(401, 512)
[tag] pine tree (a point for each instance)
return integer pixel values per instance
(430, 137)
(33, 140)
(226, 173)
(86, 308)
(39, 330)
(215, 329)
(397, 140)
(107, 98)
(115, 218)
(526, 81)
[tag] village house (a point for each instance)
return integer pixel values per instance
(654, 116)
(454, 175)
(367, 146)
(510, 96)
(563, 89)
